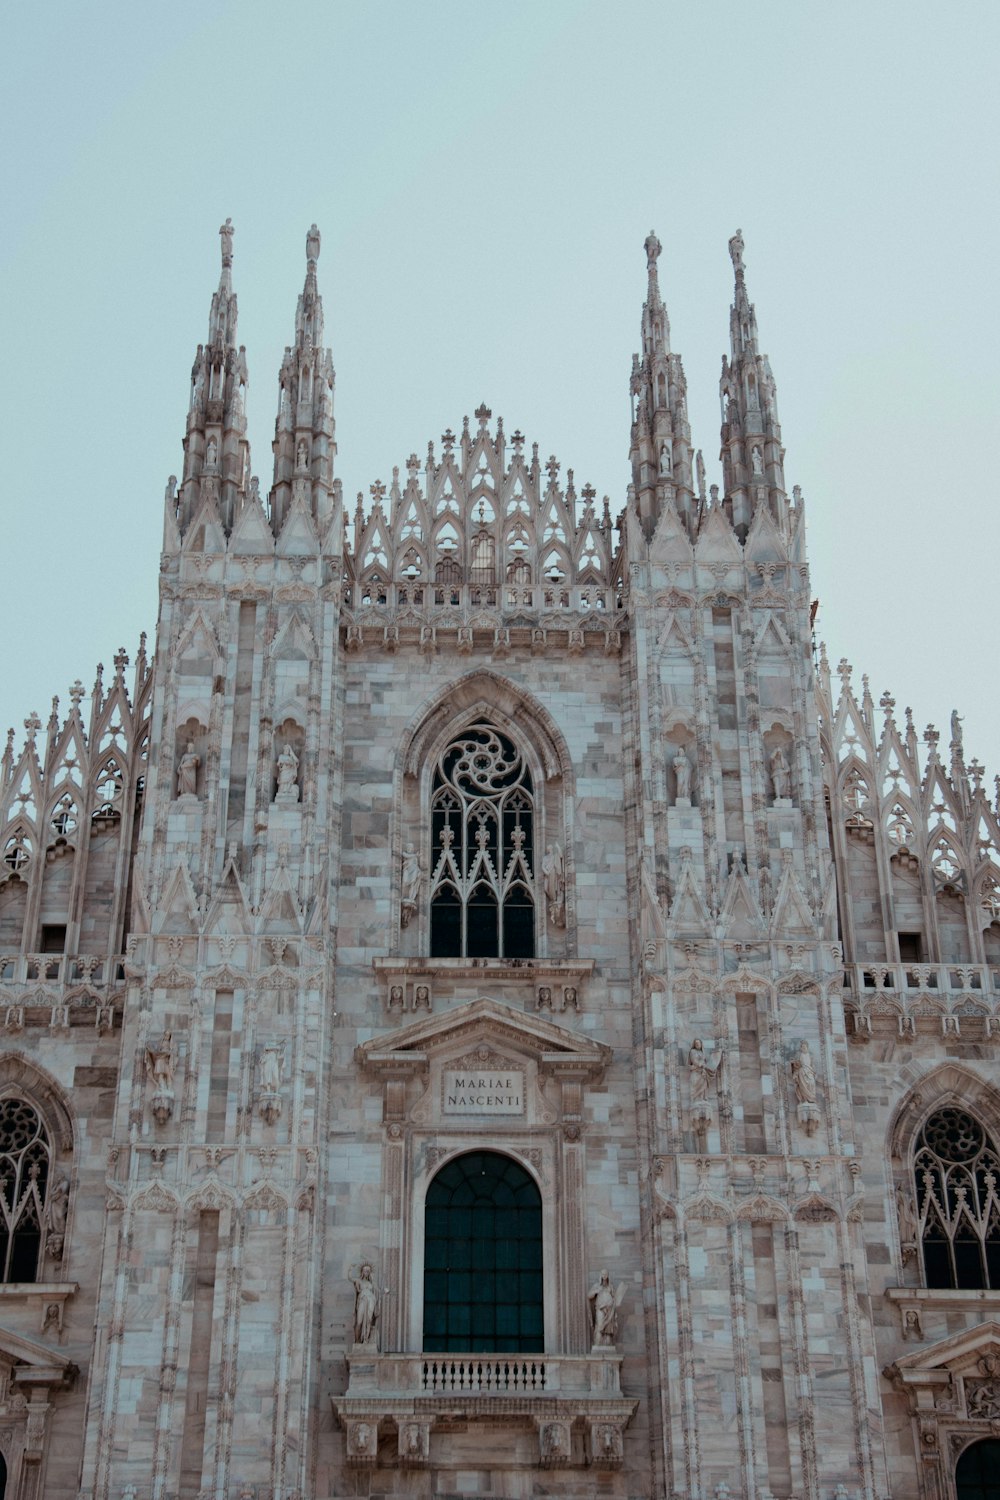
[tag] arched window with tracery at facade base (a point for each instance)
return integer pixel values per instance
(483, 1258)
(482, 815)
(957, 1181)
(25, 1160)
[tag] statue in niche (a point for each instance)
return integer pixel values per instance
(212, 455)
(160, 1063)
(665, 468)
(554, 885)
(365, 1305)
(780, 775)
(756, 462)
(301, 457)
(270, 1069)
(906, 1213)
(187, 772)
(55, 1218)
(682, 774)
(803, 1075)
(410, 885)
(288, 776)
(604, 1302)
(702, 1070)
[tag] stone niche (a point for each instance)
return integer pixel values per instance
(484, 1076)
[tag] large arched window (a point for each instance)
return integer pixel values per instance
(977, 1476)
(482, 888)
(483, 1258)
(957, 1173)
(25, 1156)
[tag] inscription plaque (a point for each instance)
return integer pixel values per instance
(483, 1091)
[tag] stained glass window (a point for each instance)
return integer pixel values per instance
(957, 1178)
(24, 1172)
(482, 887)
(483, 1258)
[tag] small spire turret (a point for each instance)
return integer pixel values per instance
(216, 450)
(304, 445)
(661, 452)
(752, 455)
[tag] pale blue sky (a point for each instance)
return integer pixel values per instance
(484, 178)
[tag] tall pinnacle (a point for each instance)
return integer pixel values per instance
(661, 436)
(303, 435)
(216, 452)
(752, 455)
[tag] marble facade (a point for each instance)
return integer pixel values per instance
(750, 961)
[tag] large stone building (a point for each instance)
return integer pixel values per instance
(484, 1010)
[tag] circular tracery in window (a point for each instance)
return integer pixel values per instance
(953, 1135)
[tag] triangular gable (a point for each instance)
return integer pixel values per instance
(177, 908)
(792, 913)
(251, 535)
(298, 535)
(206, 534)
(959, 1353)
(230, 910)
(741, 917)
(764, 543)
(717, 542)
(688, 912)
(670, 543)
(550, 1045)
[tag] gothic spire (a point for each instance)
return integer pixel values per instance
(216, 451)
(752, 455)
(304, 445)
(661, 435)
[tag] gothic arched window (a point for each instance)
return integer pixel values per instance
(483, 1258)
(482, 887)
(25, 1156)
(957, 1175)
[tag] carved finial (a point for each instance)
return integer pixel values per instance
(226, 233)
(552, 468)
(76, 692)
(32, 724)
(483, 414)
(736, 253)
(312, 247)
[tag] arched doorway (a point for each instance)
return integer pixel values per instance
(977, 1476)
(483, 1258)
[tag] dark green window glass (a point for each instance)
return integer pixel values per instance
(483, 1258)
(977, 1476)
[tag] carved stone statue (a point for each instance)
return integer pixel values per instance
(756, 461)
(410, 893)
(226, 233)
(702, 1070)
(604, 1304)
(365, 1306)
(187, 772)
(803, 1076)
(212, 454)
(700, 471)
(312, 245)
(554, 885)
(288, 772)
(160, 1063)
(682, 775)
(736, 251)
(907, 1216)
(665, 458)
(780, 774)
(55, 1218)
(270, 1069)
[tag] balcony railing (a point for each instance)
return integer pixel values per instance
(61, 968)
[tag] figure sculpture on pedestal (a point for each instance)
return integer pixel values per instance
(365, 1306)
(604, 1304)
(288, 772)
(187, 772)
(780, 775)
(554, 885)
(682, 775)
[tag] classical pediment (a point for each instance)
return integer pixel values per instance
(34, 1364)
(484, 1024)
(962, 1353)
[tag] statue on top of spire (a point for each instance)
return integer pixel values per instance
(652, 248)
(312, 245)
(736, 252)
(226, 231)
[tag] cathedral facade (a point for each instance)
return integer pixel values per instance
(485, 1010)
